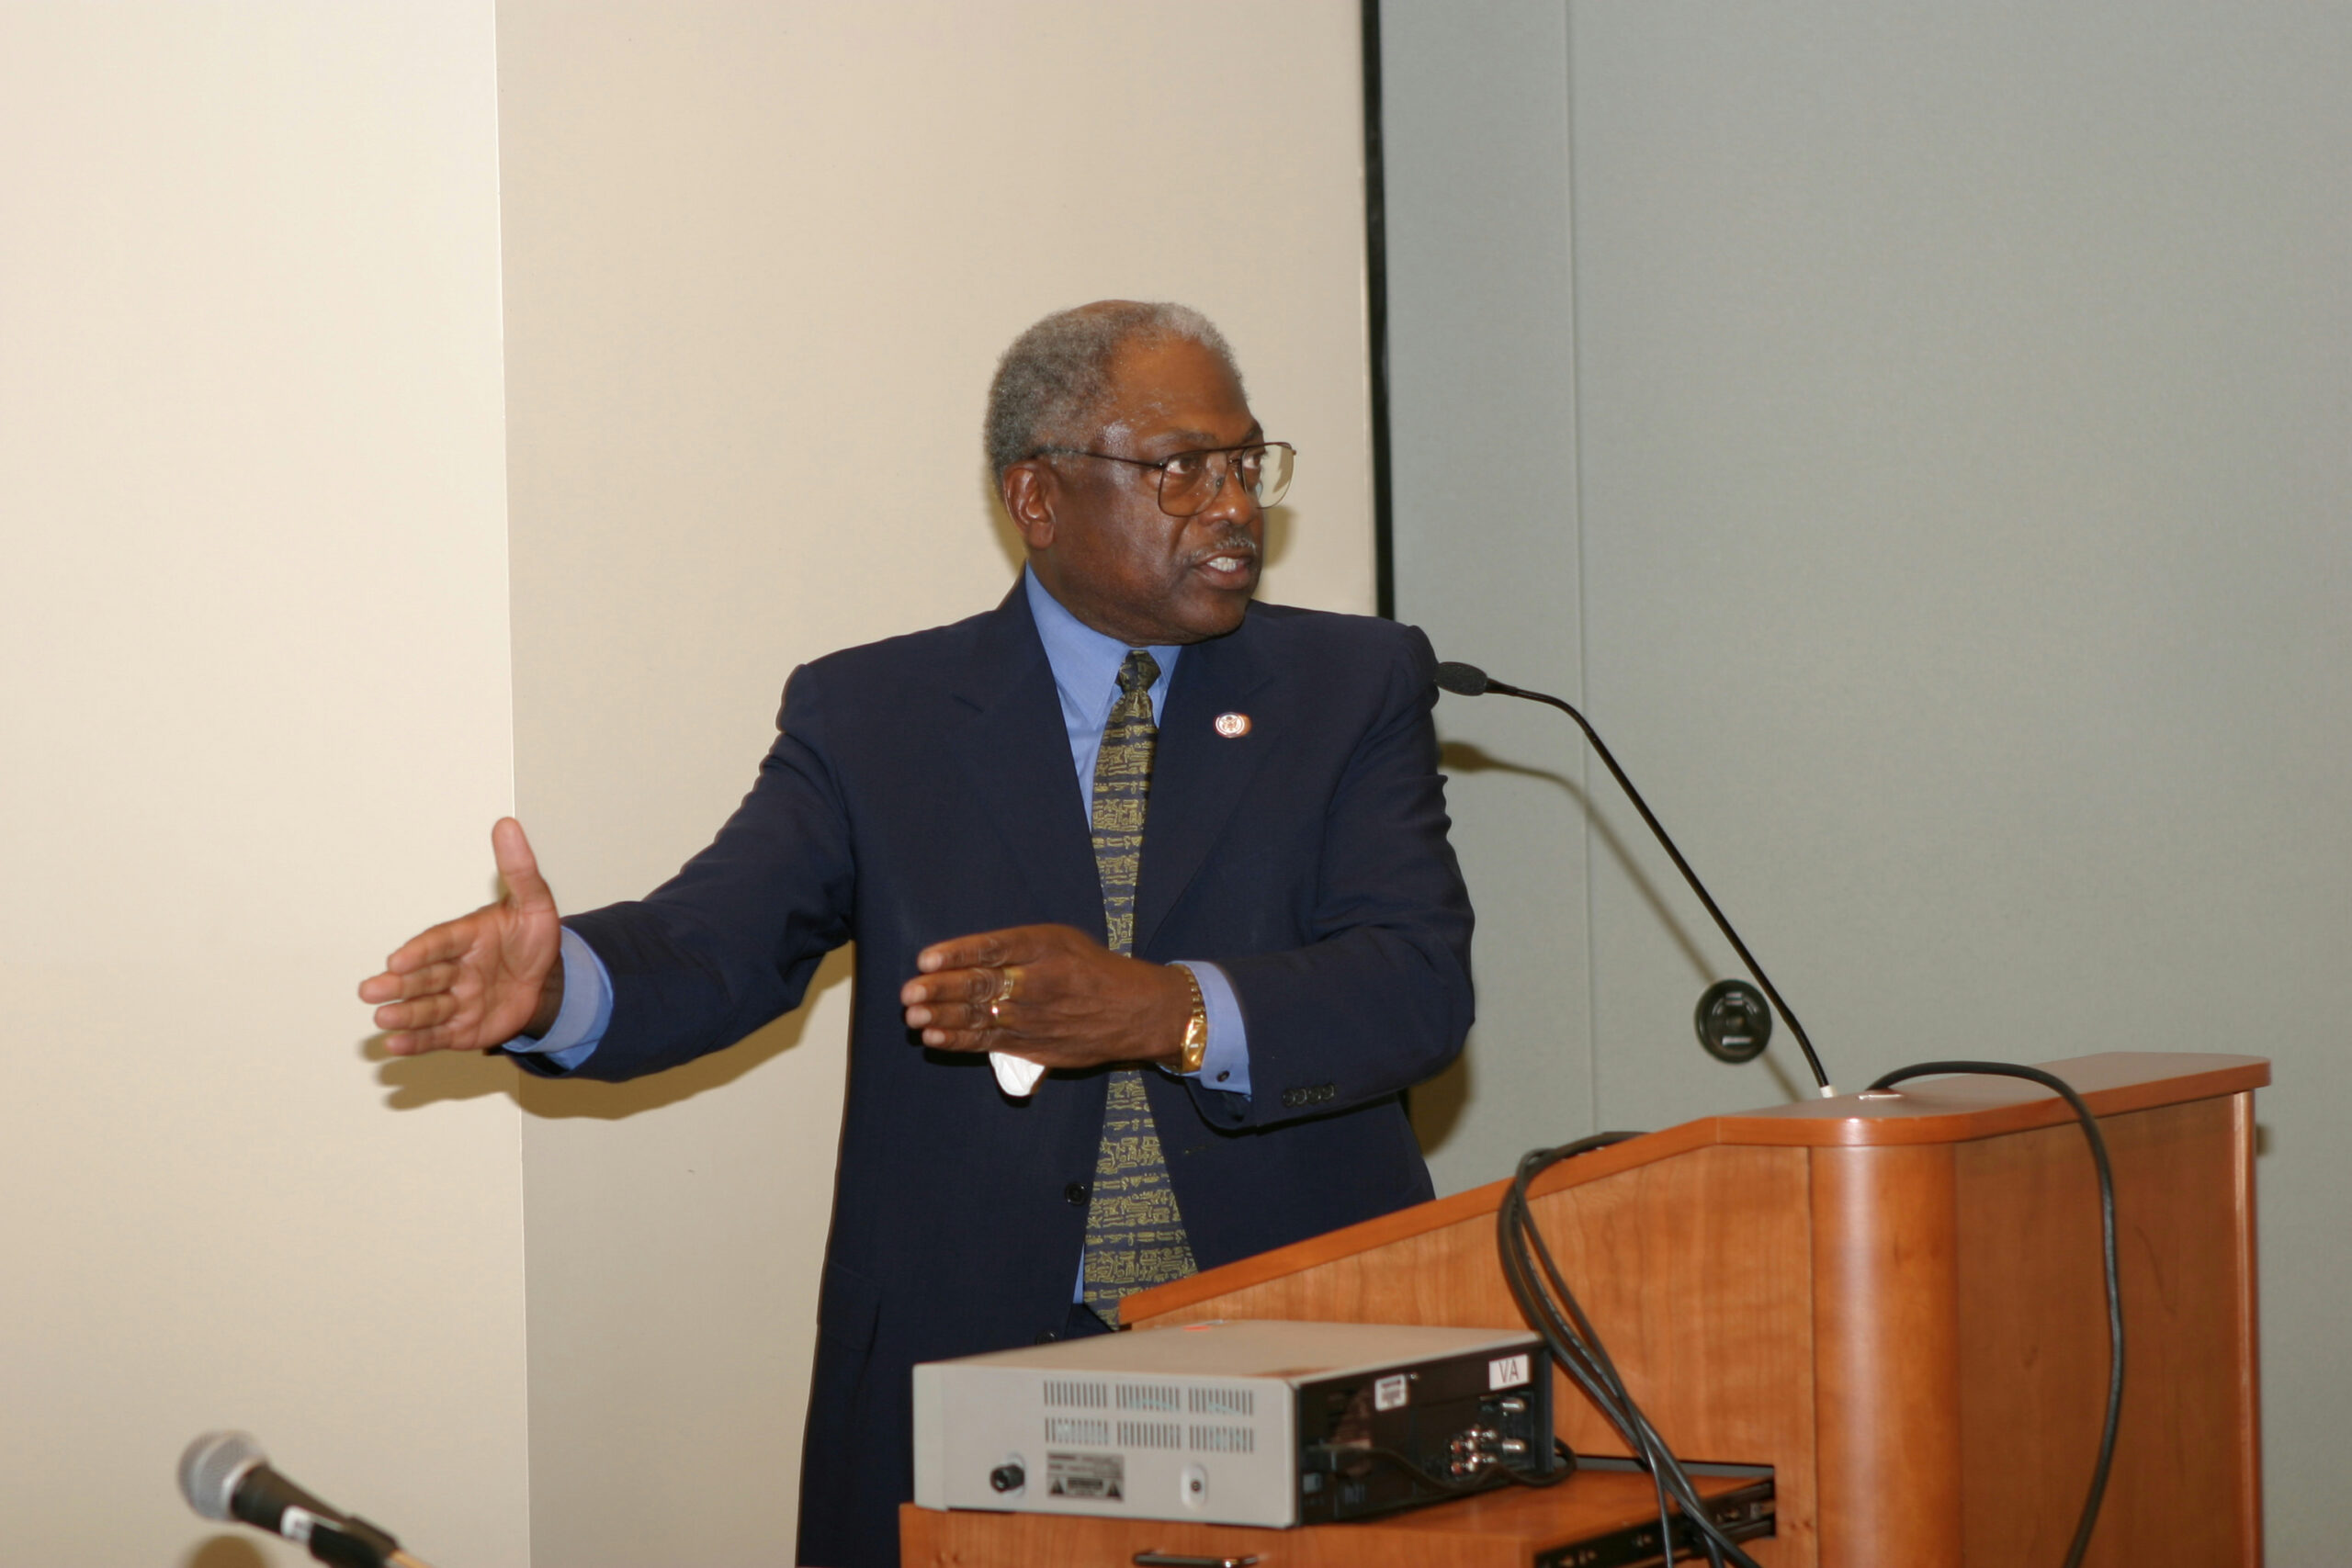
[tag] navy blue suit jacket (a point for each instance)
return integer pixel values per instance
(922, 788)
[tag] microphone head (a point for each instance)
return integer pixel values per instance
(212, 1466)
(1462, 680)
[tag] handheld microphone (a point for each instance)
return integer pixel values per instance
(1469, 680)
(225, 1475)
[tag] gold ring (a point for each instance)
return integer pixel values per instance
(1008, 981)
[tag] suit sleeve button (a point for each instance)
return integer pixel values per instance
(1075, 1194)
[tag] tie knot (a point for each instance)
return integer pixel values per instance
(1138, 672)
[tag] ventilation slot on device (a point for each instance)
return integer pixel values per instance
(1224, 1440)
(1064, 1429)
(1150, 1435)
(1148, 1397)
(1223, 1402)
(1076, 1396)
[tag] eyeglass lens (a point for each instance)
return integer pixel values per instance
(1190, 482)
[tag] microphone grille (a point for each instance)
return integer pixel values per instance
(211, 1468)
(1462, 680)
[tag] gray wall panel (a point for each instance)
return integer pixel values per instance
(1484, 475)
(1963, 423)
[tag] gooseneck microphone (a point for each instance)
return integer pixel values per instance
(1469, 680)
(224, 1475)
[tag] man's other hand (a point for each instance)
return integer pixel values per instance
(482, 978)
(1060, 997)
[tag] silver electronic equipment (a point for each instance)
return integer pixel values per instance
(1241, 1423)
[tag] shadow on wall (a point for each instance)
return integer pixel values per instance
(225, 1551)
(1008, 538)
(1437, 1104)
(418, 1081)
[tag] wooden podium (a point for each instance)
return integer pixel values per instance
(1894, 1302)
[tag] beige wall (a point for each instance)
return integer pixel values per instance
(253, 617)
(760, 260)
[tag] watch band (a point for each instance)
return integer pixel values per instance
(1196, 1027)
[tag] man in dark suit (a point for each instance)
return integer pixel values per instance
(1186, 851)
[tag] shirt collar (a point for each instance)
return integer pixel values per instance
(1086, 662)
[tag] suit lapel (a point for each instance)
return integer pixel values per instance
(1197, 774)
(1014, 753)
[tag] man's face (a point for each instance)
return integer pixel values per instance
(1098, 539)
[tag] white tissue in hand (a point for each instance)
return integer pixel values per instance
(1017, 1075)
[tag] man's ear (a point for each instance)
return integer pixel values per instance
(1028, 490)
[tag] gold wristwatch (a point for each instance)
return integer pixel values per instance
(1196, 1027)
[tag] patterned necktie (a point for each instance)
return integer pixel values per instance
(1135, 1237)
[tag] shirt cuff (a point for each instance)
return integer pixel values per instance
(586, 1013)
(1224, 1066)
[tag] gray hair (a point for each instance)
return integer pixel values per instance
(1057, 376)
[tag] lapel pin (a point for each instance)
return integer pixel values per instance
(1233, 725)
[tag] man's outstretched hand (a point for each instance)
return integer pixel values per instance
(1060, 998)
(482, 978)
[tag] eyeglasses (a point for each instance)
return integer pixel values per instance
(1190, 481)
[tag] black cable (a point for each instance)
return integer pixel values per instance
(1551, 1310)
(1577, 1346)
(1589, 1361)
(1469, 1486)
(1470, 681)
(1580, 1355)
(2107, 1237)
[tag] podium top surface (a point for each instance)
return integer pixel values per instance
(1957, 1110)
(1923, 1110)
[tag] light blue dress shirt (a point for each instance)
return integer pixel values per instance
(1086, 676)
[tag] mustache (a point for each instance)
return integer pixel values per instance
(1233, 542)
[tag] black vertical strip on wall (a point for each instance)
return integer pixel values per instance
(1376, 259)
(1376, 275)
